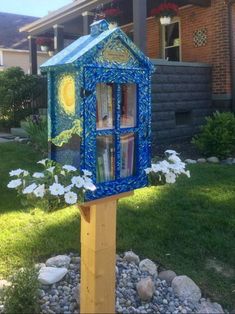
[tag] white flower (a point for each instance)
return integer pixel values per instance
(38, 175)
(16, 172)
(25, 173)
(14, 183)
(30, 188)
(63, 173)
(56, 189)
(40, 191)
(78, 181)
(86, 173)
(171, 152)
(70, 198)
(68, 188)
(88, 184)
(174, 158)
(51, 169)
(148, 170)
(170, 177)
(43, 161)
(69, 168)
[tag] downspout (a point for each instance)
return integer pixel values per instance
(232, 51)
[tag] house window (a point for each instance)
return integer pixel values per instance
(171, 41)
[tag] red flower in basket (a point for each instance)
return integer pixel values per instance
(169, 9)
(44, 41)
(112, 12)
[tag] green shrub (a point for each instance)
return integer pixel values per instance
(22, 296)
(19, 93)
(217, 136)
(36, 127)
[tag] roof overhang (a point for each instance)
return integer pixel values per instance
(76, 8)
(61, 16)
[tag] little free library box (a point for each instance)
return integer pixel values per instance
(99, 109)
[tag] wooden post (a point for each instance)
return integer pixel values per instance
(33, 55)
(98, 255)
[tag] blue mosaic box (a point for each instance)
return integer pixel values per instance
(99, 109)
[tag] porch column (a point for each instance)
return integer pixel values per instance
(33, 55)
(58, 37)
(87, 21)
(139, 20)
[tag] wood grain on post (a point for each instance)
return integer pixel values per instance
(98, 255)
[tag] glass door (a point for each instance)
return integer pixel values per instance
(115, 131)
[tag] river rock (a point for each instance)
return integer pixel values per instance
(190, 161)
(51, 275)
(186, 289)
(149, 266)
(167, 275)
(207, 307)
(58, 261)
(131, 257)
(201, 160)
(145, 289)
(213, 160)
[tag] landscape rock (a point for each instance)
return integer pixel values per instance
(149, 266)
(76, 294)
(167, 275)
(51, 275)
(145, 289)
(58, 261)
(190, 161)
(201, 160)
(131, 257)
(186, 289)
(213, 160)
(207, 307)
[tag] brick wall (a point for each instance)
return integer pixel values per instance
(215, 52)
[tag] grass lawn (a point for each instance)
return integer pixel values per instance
(183, 226)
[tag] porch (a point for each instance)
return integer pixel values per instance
(72, 21)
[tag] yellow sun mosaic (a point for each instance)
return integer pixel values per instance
(66, 94)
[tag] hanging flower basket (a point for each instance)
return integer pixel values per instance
(165, 12)
(112, 14)
(45, 43)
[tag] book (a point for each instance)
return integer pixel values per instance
(127, 155)
(104, 106)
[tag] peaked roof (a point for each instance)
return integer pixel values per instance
(100, 32)
(10, 37)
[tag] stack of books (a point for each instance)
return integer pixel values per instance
(104, 107)
(127, 155)
(105, 161)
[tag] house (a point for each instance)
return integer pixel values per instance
(14, 50)
(194, 55)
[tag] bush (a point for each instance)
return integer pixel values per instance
(36, 127)
(18, 91)
(22, 296)
(217, 136)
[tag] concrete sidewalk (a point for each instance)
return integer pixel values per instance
(6, 137)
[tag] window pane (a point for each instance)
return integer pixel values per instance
(128, 105)
(172, 35)
(127, 155)
(105, 159)
(104, 106)
(172, 54)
